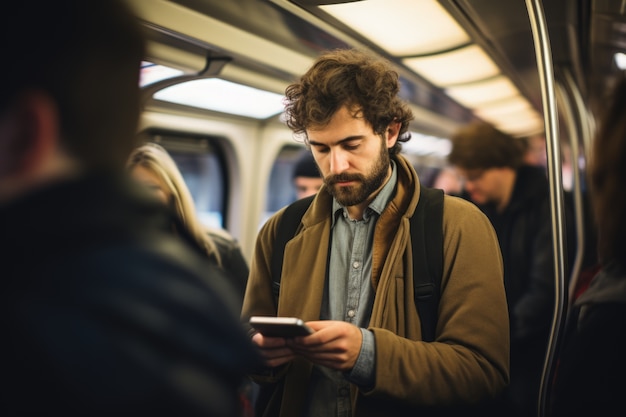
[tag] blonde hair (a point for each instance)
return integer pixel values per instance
(157, 160)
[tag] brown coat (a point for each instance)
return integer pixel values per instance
(469, 359)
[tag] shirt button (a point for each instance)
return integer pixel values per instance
(355, 265)
(351, 313)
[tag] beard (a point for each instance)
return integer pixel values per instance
(365, 184)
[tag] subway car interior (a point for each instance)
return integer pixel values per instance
(216, 71)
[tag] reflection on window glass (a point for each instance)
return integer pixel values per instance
(203, 176)
(202, 166)
(280, 190)
(152, 73)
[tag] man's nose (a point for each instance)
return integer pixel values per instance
(338, 161)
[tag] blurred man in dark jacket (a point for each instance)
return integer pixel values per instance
(515, 197)
(104, 312)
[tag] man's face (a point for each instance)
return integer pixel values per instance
(353, 160)
(483, 185)
(306, 186)
(28, 144)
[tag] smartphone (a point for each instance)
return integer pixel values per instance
(280, 326)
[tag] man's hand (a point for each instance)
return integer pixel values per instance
(335, 344)
(273, 349)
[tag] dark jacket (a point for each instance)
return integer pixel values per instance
(106, 312)
(589, 379)
(525, 236)
(233, 261)
(524, 231)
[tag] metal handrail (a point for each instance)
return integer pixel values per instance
(546, 78)
(574, 126)
(585, 131)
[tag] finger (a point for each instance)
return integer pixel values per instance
(269, 342)
(276, 353)
(327, 362)
(273, 363)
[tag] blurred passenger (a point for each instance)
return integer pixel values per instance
(307, 179)
(535, 150)
(104, 311)
(515, 197)
(592, 364)
(348, 272)
(153, 166)
(448, 180)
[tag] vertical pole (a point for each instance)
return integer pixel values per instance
(546, 78)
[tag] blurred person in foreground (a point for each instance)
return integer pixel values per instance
(306, 177)
(348, 271)
(153, 166)
(589, 378)
(104, 311)
(515, 197)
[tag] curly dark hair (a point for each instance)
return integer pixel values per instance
(366, 84)
(479, 145)
(607, 175)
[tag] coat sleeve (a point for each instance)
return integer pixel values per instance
(468, 362)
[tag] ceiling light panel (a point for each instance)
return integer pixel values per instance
(480, 93)
(504, 107)
(496, 119)
(460, 66)
(521, 126)
(401, 27)
(224, 96)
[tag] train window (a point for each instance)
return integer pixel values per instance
(202, 165)
(620, 60)
(428, 155)
(280, 191)
(152, 73)
(422, 144)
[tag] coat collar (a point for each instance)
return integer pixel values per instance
(308, 261)
(404, 200)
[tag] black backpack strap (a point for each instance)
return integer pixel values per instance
(287, 226)
(427, 244)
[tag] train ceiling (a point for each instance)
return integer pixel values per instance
(466, 59)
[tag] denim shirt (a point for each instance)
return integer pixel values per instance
(349, 297)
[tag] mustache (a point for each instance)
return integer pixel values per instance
(334, 179)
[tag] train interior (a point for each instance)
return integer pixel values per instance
(216, 71)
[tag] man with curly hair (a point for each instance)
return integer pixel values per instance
(348, 271)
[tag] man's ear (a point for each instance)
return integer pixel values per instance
(392, 132)
(31, 132)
